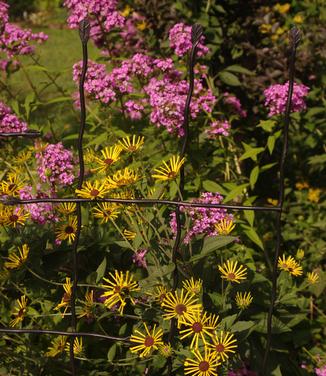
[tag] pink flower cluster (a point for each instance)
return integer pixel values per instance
(10, 122)
(235, 103)
(14, 40)
(276, 96)
(180, 40)
(56, 164)
(103, 15)
(139, 259)
(202, 219)
(321, 371)
(40, 213)
(218, 128)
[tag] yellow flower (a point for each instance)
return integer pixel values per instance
(224, 227)
(213, 320)
(67, 208)
(77, 347)
(15, 216)
(126, 11)
(20, 311)
(314, 195)
(231, 273)
(142, 25)
(15, 261)
(170, 169)
(65, 300)
(68, 230)
(89, 156)
(193, 286)
(130, 235)
(300, 186)
(119, 288)
(148, 342)
(122, 177)
(110, 155)
(22, 157)
(106, 211)
(132, 144)
(312, 278)
(165, 350)
(300, 254)
(180, 307)
(88, 306)
(290, 265)
(243, 300)
(298, 19)
(93, 190)
(202, 365)
(272, 201)
(197, 326)
(282, 8)
(223, 343)
(159, 293)
(12, 185)
(57, 347)
(265, 28)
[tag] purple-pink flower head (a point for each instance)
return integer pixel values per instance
(276, 97)
(56, 165)
(10, 122)
(235, 104)
(139, 259)
(180, 40)
(321, 371)
(218, 128)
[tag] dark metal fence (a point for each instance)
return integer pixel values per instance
(72, 333)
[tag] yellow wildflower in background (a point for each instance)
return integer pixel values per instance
(67, 231)
(314, 195)
(302, 185)
(65, 300)
(118, 289)
(272, 201)
(193, 286)
(20, 311)
(282, 8)
(122, 177)
(143, 25)
(290, 265)
(223, 344)
(265, 28)
(180, 306)
(170, 169)
(224, 227)
(14, 217)
(57, 347)
(77, 347)
(146, 342)
(202, 365)
(312, 278)
(93, 190)
(231, 272)
(243, 300)
(106, 211)
(126, 11)
(130, 235)
(88, 306)
(159, 293)
(298, 19)
(197, 326)
(22, 157)
(15, 261)
(165, 350)
(132, 144)
(66, 208)
(300, 254)
(110, 155)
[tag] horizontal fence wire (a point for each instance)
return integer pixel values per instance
(6, 200)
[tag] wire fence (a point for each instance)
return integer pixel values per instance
(197, 32)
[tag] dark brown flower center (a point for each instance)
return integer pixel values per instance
(219, 347)
(180, 309)
(149, 341)
(14, 218)
(203, 366)
(21, 312)
(197, 327)
(171, 174)
(66, 297)
(108, 161)
(231, 276)
(12, 187)
(94, 192)
(69, 230)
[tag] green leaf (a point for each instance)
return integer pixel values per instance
(229, 78)
(271, 143)
(239, 69)
(58, 100)
(211, 244)
(211, 186)
(251, 153)
(267, 125)
(100, 271)
(250, 216)
(235, 192)
(112, 352)
(254, 176)
(252, 235)
(241, 326)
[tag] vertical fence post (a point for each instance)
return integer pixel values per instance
(294, 41)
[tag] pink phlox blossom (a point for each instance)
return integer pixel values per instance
(133, 110)
(9, 122)
(235, 103)
(276, 97)
(321, 371)
(218, 128)
(138, 258)
(180, 40)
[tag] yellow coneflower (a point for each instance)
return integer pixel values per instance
(165, 350)
(314, 195)
(57, 347)
(12, 185)
(22, 157)
(130, 235)
(67, 231)
(16, 260)
(312, 278)
(224, 227)
(300, 254)
(66, 208)
(272, 201)
(231, 272)
(106, 211)
(20, 311)
(159, 293)
(65, 300)
(202, 365)
(110, 155)
(122, 178)
(142, 25)
(146, 342)
(93, 190)
(14, 217)
(193, 286)
(282, 8)
(197, 326)
(89, 156)
(77, 347)
(298, 19)
(290, 265)
(180, 306)
(119, 288)
(132, 144)
(302, 185)
(87, 310)
(243, 300)
(223, 344)
(170, 169)
(213, 320)
(126, 11)
(265, 28)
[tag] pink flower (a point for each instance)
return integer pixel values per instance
(10, 122)
(218, 128)
(133, 110)
(321, 371)
(138, 258)
(235, 103)
(276, 96)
